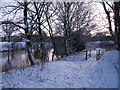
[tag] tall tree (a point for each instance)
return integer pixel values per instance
(74, 16)
(24, 6)
(117, 22)
(115, 7)
(27, 34)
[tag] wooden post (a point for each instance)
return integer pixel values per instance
(98, 54)
(89, 53)
(86, 55)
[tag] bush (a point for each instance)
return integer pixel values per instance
(77, 43)
(109, 45)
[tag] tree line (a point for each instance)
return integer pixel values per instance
(113, 8)
(69, 20)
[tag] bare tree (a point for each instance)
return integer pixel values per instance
(39, 7)
(15, 9)
(34, 20)
(114, 8)
(117, 22)
(74, 16)
(27, 34)
(67, 17)
(8, 31)
(50, 30)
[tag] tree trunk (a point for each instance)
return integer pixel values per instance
(114, 35)
(30, 55)
(117, 23)
(108, 17)
(31, 58)
(51, 34)
(42, 46)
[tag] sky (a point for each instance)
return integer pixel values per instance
(100, 18)
(98, 10)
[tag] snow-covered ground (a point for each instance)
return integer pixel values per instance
(71, 72)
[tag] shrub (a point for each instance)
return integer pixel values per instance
(77, 43)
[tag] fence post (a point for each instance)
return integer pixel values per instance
(89, 53)
(98, 54)
(86, 54)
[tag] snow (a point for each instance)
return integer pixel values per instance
(96, 44)
(4, 46)
(25, 40)
(93, 45)
(71, 72)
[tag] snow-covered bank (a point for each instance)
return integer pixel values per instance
(97, 44)
(4, 46)
(68, 73)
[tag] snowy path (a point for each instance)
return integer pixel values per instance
(77, 73)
